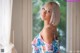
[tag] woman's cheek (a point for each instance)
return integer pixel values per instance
(42, 17)
(48, 16)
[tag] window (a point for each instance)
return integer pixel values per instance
(38, 24)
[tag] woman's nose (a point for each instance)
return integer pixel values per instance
(45, 12)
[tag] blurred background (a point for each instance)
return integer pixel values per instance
(38, 23)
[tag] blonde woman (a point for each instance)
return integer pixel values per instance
(45, 41)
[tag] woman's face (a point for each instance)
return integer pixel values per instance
(46, 12)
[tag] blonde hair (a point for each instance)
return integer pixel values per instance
(55, 17)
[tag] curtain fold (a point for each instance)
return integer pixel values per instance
(5, 25)
(73, 27)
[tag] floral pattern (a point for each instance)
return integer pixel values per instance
(39, 46)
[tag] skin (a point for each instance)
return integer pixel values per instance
(48, 29)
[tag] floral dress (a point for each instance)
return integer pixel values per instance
(39, 46)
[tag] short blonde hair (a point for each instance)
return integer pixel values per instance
(56, 13)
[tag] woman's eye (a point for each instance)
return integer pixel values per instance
(49, 11)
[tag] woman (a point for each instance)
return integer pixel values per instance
(45, 41)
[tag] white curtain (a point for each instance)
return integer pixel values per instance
(5, 25)
(73, 27)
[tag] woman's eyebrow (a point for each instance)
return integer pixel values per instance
(43, 7)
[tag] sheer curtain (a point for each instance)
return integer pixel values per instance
(5, 25)
(73, 27)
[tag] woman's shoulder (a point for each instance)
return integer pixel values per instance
(36, 41)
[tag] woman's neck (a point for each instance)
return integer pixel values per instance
(46, 23)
